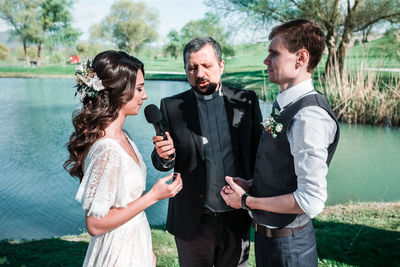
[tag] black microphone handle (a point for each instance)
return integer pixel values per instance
(160, 130)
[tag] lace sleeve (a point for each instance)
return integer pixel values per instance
(102, 185)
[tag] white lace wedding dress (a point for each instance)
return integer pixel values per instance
(113, 179)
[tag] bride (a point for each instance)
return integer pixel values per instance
(110, 168)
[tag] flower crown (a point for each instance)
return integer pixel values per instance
(88, 84)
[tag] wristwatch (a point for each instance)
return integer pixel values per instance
(244, 206)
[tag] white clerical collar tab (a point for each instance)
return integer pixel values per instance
(210, 96)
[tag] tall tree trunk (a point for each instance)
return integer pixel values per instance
(39, 50)
(365, 34)
(331, 45)
(347, 33)
(341, 53)
(28, 64)
(331, 28)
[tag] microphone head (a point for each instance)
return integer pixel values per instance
(152, 113)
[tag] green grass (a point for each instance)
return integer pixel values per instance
(353, 234)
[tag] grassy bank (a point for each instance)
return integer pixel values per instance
(354, 234)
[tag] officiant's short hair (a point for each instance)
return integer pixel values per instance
(198, 43)
(301, 33)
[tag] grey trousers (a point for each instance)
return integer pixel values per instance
(222, 240)
(298, 249)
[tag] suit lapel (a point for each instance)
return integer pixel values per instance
(193, 122)
(229, 107)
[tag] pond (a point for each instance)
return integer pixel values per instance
(37, 194)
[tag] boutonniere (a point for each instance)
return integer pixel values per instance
(271, 125)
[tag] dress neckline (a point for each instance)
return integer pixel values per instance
(130, 143)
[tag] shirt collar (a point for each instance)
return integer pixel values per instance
(211, 96)
(291, 94)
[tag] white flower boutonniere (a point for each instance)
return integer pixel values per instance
(271, 125)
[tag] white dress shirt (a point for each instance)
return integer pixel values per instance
(310, 134)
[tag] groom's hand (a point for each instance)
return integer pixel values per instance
(245, 184)
(165, 148)
(232, 193)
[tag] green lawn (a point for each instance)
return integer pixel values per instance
(353, 234)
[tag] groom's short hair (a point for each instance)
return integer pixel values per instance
(301, 33)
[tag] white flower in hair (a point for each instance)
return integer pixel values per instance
(79, 68)
(96, 84)
(88, 84)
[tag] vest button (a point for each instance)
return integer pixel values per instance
(201, 196)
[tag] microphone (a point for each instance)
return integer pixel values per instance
(153, 116)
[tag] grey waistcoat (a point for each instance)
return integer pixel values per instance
(274, 173)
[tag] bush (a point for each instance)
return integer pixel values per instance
(82, 48)
(57, 57)
(31, 52)
(4, 52)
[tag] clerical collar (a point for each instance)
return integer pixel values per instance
(211, 96)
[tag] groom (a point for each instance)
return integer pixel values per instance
(289, 184)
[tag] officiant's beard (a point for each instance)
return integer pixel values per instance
(205, 90)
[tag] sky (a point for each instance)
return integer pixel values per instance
(172, 14)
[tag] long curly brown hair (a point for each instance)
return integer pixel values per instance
(117, 71)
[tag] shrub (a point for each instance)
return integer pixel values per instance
(4, 52)
(57, 57)
(31, 52)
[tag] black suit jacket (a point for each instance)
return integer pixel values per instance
(181, 120)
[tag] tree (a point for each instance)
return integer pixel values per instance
(131, 24)
(55, 24)
(88, 50)
(210, 25)
(22, 15)
(174, 44)
(339, 19)
(36, 22)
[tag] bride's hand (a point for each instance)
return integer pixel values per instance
(162, 190)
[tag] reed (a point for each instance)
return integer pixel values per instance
(362, 95)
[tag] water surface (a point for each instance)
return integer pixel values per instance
(37, 194)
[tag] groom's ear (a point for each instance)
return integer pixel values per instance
(303, 58)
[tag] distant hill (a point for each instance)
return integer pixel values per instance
(4, 38)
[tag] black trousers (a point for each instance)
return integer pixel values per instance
(222, 240)
(298, 249)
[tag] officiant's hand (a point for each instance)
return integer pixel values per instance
(164, 148)
(232, 193)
